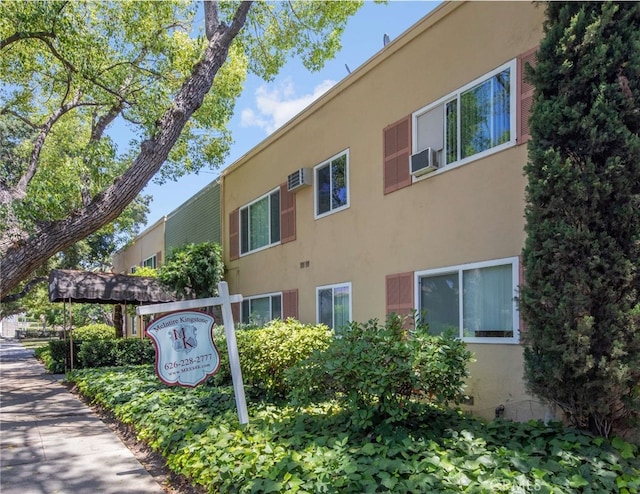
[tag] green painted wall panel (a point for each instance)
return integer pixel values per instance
(195, 221)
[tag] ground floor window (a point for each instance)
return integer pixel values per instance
(261, 309)
(476, 301)
(333, 305)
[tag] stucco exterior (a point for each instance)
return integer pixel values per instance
(148, 244)
(467, 213)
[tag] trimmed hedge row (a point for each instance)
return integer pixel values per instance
(96, 353)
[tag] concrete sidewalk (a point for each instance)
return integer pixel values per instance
(50, 442)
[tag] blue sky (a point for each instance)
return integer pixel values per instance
(263, 107)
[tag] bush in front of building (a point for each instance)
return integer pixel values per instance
(267, 352)
(94, 332)
(58, 359)
(116, 352)
(57, 356)
(376, 369)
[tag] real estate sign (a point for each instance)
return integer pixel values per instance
(174, 363)
(186, 354)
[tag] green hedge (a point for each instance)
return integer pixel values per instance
(96, 353)
(94, 332)
(106, 353)
(266, 353)
(60, 356)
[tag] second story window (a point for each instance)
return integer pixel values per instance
(472, 122)
(260, 223)
(332, 185)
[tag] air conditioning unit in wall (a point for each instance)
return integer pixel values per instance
(424, 162)
(299, 178)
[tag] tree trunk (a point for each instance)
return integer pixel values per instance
(117, 320)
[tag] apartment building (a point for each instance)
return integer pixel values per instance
(146, 250)
(402, 189)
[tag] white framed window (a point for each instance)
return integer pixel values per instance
(132, 269)
(472, 122)
(331, 185)
(260, 223)
(150, 262)
(261, 309)
(476, 301)
(333, 305)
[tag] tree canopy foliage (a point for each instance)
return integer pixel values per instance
(70, 71)
(581, 297)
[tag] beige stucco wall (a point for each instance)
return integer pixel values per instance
(466, 214)
(145, 245)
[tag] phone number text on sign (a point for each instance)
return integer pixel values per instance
(185, 351)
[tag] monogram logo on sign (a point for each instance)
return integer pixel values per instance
(184, 338)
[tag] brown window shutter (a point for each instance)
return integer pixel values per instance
(235, 312)
(290, 304)
(396, 153)
(234, 234)
(158, 259)
(399, 293)
(525, 95)
(287, 215)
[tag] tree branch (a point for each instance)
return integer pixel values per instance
(20, 190)
(210, 18)
(25, 291)
(14, 38)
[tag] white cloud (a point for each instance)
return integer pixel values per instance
(276, 106)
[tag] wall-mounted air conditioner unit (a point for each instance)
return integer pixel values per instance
(299, 178)
(424, 162)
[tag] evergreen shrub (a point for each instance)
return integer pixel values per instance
(375, 369)
(94, 332)
(582, 253)
(116, 352)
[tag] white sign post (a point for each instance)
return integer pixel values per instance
(225, 300)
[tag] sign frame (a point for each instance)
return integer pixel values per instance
(175, 336)
(224, 300)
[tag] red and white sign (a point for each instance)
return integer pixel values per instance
(186, 354)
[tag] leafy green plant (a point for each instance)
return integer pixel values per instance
(60, 356)
(194, 269)
(315, 449)
(94, 332)
(134, 351)
(104, 353)
(375, 368)
(266, 353)
(96, 353)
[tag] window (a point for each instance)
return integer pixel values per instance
(476, 301)
(260, 223)
(331, 185)
(334, 305)
(261, 309)
(150, 262)
(477, 120)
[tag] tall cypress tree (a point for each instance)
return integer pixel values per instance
(581, 297)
